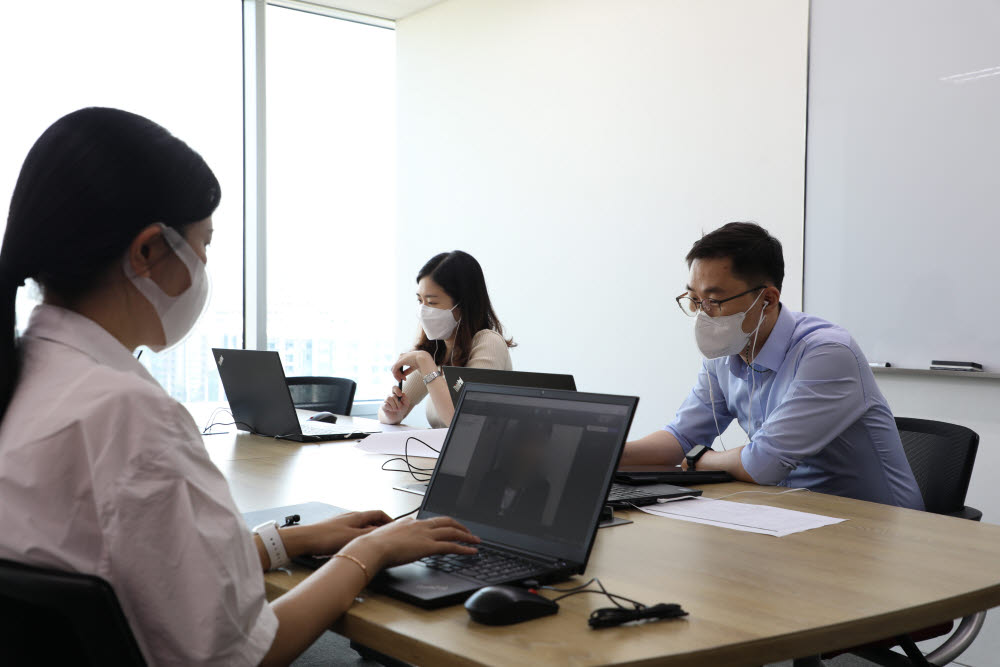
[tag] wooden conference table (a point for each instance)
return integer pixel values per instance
(752, 598)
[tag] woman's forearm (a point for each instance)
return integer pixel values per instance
(312, 607)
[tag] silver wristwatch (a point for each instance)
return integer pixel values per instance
(430, 377)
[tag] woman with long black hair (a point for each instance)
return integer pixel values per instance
(457, 328)
(101, 472)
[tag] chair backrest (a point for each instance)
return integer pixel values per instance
(331, 394)
(54, 617)
(941, 456)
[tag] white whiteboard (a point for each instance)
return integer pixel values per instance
(902, 231)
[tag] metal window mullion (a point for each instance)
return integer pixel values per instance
(254, 178)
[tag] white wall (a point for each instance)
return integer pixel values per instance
(578, 148)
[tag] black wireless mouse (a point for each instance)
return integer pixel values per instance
(328, 417)
(505, 605)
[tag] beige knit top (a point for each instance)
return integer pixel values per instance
(489, 350)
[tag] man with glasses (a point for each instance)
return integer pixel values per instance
(798, 385)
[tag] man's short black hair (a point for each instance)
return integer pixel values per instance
(756, 255)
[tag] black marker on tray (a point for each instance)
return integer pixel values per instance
(956, 366)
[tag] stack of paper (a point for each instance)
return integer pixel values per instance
(412, 442)
(741, 516)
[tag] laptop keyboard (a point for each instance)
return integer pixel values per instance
(321, 428)
(627, 492)
(489, 565)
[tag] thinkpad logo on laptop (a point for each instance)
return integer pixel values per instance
(458, 385)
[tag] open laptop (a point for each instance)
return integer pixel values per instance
(457, 376)
(527, 470)
(624, 495)
(627, 491)
(653, 475)
(258, 396)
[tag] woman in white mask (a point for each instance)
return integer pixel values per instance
(457, 328)
(101, 472)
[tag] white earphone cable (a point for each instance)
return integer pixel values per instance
(711, 398)
(753, 374)
(753, 386)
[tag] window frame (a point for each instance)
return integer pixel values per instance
(255, 164)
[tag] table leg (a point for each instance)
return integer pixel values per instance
(380, 658)
(809, 661)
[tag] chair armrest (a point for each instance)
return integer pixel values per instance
(970, 513)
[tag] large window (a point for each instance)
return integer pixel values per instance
(330, 162)
(331, 197)
(179, 64)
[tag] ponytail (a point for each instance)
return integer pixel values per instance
(89, 185)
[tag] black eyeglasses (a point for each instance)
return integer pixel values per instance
(711, 307)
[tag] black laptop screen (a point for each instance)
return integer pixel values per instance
(531, 471)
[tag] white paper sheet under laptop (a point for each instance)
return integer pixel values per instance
(425, 442)
(764, 519)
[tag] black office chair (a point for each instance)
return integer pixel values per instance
(48, 617)
(327, 394)
(941, 456)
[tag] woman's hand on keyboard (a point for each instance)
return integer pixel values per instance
(408, 539)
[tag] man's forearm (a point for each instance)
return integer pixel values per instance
(730, 460)
(659, 448)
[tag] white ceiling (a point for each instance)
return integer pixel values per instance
(386, 9)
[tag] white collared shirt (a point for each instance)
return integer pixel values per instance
(101, 472)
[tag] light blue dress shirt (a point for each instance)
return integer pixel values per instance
(819, 419)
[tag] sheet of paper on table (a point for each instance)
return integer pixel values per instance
(395, 443)
(741, 516)
(386, 428)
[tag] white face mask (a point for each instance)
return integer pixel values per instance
(177, 314)
(438, 323)
(723, 335)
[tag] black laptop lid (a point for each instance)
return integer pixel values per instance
(530, 468)
(258, 395)
(458, 376)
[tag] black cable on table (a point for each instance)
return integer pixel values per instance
(411, 468)
(608, 617)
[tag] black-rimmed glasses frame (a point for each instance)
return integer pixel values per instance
(684, 302)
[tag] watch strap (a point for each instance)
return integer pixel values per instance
(692, 460)
(275, 548)
(430, 377)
